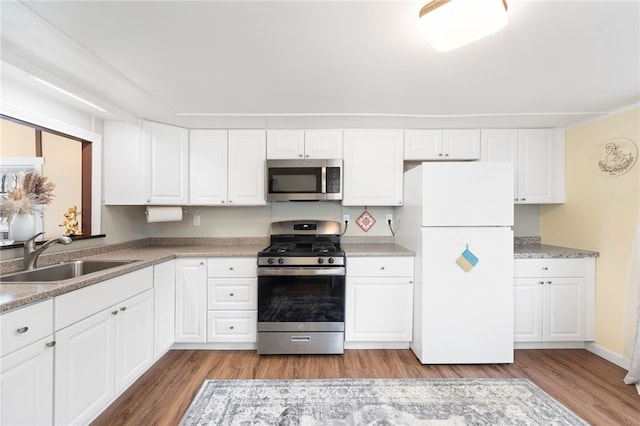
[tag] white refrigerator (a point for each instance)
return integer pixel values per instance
(457, 217)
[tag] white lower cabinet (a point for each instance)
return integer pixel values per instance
(98, 355)
(26, 365)
(85, 369)
(554, 300)
(164, 302)
(379, 301)
(191, 301)
(232, 300)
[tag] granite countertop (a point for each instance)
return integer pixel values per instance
(13, 296)
(532, 248)
(152, 251)
(375, 249)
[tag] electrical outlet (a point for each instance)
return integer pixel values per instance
(345, 218)
(196, 219)
(389, 218)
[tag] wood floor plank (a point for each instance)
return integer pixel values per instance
(586, 384)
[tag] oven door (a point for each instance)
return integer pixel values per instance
(301, 310)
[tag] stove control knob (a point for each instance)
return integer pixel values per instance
(331, 260)
(320, 260)
(270, 261)
(281, 260)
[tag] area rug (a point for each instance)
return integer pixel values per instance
(376, 402)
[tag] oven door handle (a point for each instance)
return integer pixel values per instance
(306, 271)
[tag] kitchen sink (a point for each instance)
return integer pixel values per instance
(61, 271)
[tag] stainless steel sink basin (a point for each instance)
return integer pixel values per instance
(61, 271)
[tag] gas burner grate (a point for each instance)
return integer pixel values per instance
(282, 248)
(323, 247)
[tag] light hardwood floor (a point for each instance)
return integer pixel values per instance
(585, 383)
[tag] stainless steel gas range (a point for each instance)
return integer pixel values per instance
(301, 289)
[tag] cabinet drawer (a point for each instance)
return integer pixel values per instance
(549, 268)
(232, 267)
(232, 294)
(79, 304)
(380, 267)
(231, 326)
(25, 326)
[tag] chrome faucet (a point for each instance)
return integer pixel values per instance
(31, 254)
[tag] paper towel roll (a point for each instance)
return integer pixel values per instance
(164, 214)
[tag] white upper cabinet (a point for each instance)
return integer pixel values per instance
(298, 144)
(285, 144)
(246, 167)
(538, 158)
(373, 167)
(323, 144)
(435, 144)
(166, 163)
(208, 167)
(226, 167)
(145, 164)
(123, 176)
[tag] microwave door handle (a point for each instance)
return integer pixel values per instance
(324, 179)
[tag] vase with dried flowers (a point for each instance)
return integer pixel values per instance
(19, 207)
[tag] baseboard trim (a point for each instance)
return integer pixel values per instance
(549, 345)
(609, 355)
(376, 345)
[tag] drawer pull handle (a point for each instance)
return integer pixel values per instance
(231, 268)
(231, 294)
(548, 282)
(540, 282)
(124, 308)
(382, 267)
(114, 312)
(22, 330)
(51, 344)
(230, 327)
(545, 268)
(300, 339)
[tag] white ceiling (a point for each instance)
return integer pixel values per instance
(291, 63)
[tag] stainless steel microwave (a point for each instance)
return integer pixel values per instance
(304, 180)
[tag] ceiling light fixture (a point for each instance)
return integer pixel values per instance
(448, 24)
(71, 95)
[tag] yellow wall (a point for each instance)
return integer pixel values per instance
(600, 214)
(63, 166)
(17, 140)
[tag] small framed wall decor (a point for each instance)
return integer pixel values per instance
(615, 157)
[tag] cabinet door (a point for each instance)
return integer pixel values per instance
(323, 144)
(501, 145)
(167, 162)
(134, 339)
(285, 144)
(208, 167)
(536, 166)
(563, 309)
(84, 368)
(122, 164)
(461, 144)
(378, 309)
(423, 145)
(527, 309)
(164, 289)
(373, 167)
(247, 155)
(191, 300)
(26, 385)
